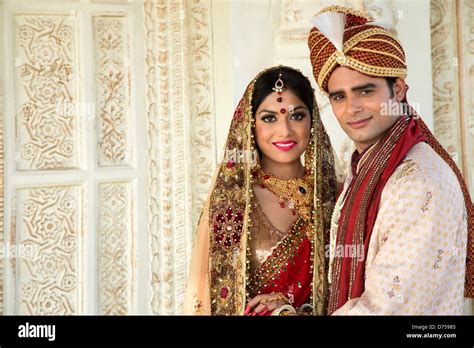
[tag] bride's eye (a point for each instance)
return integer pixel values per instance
(298, 116)
(268, 118)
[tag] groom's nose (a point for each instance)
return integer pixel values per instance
(353, 105)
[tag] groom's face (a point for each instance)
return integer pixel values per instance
(361, 102)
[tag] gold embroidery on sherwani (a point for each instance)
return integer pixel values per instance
(407, 167)
(439, 258)
(428, 197)
(395, 288)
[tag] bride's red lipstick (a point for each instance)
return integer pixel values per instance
(285, 145)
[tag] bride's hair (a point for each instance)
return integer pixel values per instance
(292, 79)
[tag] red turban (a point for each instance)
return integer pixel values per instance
(369, 49)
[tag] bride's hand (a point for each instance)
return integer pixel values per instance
(266, 303)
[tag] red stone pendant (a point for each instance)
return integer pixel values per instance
(282, 204)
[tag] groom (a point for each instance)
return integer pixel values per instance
(404, 202)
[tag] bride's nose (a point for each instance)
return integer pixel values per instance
(284, 128)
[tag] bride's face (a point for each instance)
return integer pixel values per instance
(282, 128)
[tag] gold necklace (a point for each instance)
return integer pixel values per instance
(297, 192)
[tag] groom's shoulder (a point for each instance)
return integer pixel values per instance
(423, 166)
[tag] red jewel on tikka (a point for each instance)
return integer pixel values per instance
(283, 110)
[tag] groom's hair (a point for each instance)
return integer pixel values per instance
(390, 82)
(292, 79)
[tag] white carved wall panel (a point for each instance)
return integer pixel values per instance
(445, 77)
(466, 47)
(46, 64)
(49, 233)
(116, 247)
(73, 173)
(2, 210)
(452, 40)
(180, 138)
(202, 110)
(113, 90)
(78, 112)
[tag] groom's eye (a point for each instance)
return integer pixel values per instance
(366, 91)
(268, 118)
(337, 97)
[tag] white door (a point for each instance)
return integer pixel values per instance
(74, 158)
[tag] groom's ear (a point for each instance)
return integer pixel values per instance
(399, 89)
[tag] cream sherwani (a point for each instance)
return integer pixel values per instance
(417, 252)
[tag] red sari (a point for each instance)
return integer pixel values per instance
(287, 270)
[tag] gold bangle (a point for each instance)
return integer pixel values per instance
(284, 310)
(277, 297)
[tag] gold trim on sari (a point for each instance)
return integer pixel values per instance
(283, 251)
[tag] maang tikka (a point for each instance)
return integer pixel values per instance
(279, 85)
(279, 88)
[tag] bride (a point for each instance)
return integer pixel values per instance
(260, 245)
